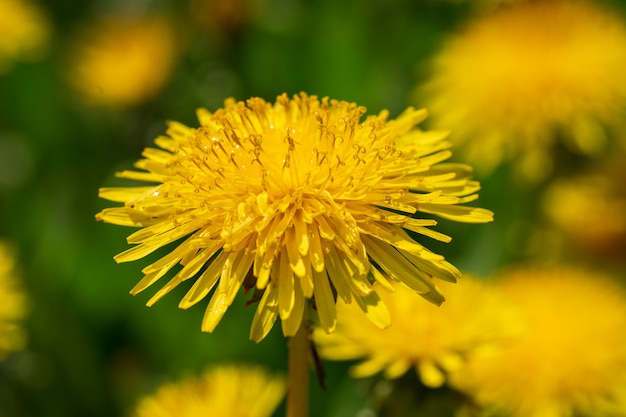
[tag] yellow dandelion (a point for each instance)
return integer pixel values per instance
(570, 357)
(568, 202)
(122, 61)
(433, 340)
(24, 31)
(225, 391)
(512, 82)
(12, 305)
(300, 199)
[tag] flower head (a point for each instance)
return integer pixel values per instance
(434, 340)
(24, 31)
(299, 199)
(12, 305)
(514, 81)
(569, 358)
(568, 203)
(122, 61)
(228, 391)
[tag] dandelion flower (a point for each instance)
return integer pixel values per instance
(122, 61)
(24, 31)
(12, 305)
(300, 200)
(433, 340)
(225, 391)
(512, 82)
(570, 357)
(568, 202)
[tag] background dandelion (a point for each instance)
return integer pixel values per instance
(25, 32)
(510, 93)
(122, 60)
(569, 201)
(422, 337)
(573, 354)
(12, 304)
(231, 391)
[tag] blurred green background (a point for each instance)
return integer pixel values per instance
(93, 349)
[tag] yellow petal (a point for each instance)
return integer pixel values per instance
(149, 279)
(294, 321)
(263, 262)
(203, 284)
(286, 293)
(215, 311)
(266, 314)
(143, 249)
(430, 374)
(458, 213)
(316, 255)
(411, 225)
(124, 216)
(325, 230)
(301, 234)
(397, 368)
(374, 309)
(381, 279)
(140, 176)
(151, 231)
(296, 260)
(338, 274)
(124, 194)
(234, 272)
(307, 280)
(368, 367)
(324, 301)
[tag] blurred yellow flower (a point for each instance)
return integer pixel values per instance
(225, 391)
(12, 305)
(434, 340)
(570, 358)
(569, 202)
(299, 199)
(24, 31)
(122, 61)
(513, 82)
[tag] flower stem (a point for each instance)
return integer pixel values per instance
(298, 394)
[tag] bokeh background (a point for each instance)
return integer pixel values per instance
(93, 349)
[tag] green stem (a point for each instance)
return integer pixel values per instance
(298, 394)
